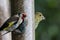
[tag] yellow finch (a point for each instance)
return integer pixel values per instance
(38, 17)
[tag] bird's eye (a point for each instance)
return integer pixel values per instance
(40, 15)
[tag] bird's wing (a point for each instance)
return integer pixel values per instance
(11, 21)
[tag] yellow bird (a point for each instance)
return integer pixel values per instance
(38, 17)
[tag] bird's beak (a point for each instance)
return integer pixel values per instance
(43, 18)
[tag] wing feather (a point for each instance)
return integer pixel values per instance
(7, 23)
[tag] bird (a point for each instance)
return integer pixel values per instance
(21, 28)
(12, 23)
(38, 18)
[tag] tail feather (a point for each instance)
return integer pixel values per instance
(5, 33)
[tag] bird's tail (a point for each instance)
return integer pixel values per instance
(4, 33)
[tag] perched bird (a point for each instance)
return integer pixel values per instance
(21, 28)
(13, 22)
(38, 17)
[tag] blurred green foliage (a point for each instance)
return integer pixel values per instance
(48, 29)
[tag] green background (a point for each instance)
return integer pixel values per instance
(48, 29)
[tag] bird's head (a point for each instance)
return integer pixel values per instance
(22, 15)
(39, 16)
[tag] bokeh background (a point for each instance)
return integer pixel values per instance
(48, 29)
